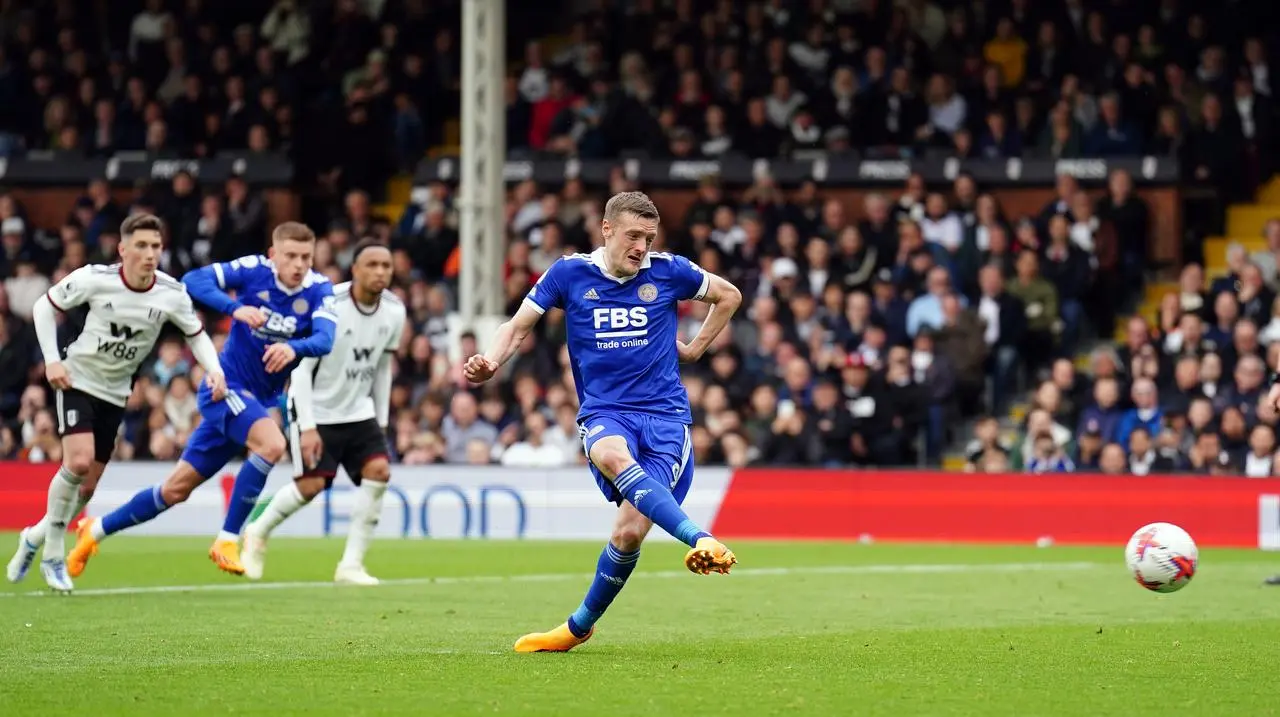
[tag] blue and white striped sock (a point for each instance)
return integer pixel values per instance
(655, 502)
(145, 505)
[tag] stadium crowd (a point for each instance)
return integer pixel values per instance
(869, 330)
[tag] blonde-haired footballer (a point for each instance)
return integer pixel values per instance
(338, 410)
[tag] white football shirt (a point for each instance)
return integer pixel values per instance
(343, 380)
(121, 327)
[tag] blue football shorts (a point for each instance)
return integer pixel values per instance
(224, 430)
(663, 448)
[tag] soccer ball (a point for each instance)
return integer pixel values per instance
(1162, 557)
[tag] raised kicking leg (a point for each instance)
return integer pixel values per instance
(654, 500)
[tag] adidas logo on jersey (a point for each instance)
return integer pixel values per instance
(591, 294)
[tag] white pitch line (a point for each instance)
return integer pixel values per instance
(901, 569)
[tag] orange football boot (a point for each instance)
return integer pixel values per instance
(226, 555)
(86, 547)
(710, 556)
(559, 639)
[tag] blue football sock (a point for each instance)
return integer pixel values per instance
(612, 571)
(145, 505)
(656, 503)
(250, 481)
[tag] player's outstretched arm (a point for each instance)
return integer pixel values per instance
(208, 285)
(506, 341)
(724, 298)
(324, 331)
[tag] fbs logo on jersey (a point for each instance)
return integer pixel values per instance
(279, 324)
(619, 322)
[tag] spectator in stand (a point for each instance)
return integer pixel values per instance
(1044, 317)
(1145, 413)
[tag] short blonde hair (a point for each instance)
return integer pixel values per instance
(637, 203)
(293, 231)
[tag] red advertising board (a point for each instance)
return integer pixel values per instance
(24, 493)
(1012, 508)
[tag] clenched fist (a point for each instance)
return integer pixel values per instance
(479, 369)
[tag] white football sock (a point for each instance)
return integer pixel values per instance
(64, 493)
(36, 533)
(364, 518)
(287, 501)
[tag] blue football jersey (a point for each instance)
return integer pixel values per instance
(292, 316)
(622, 331)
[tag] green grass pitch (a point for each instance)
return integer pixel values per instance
(799, 628)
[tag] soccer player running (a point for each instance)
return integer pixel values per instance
(620, 316)
(127, 306)
(338, 410)
(283, 312)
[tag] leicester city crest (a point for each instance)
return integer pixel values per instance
(300, 306)
(648, 292)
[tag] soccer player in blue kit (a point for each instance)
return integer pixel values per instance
(283, 312)
(620, 316)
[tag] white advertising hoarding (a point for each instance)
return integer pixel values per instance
(422, 502)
